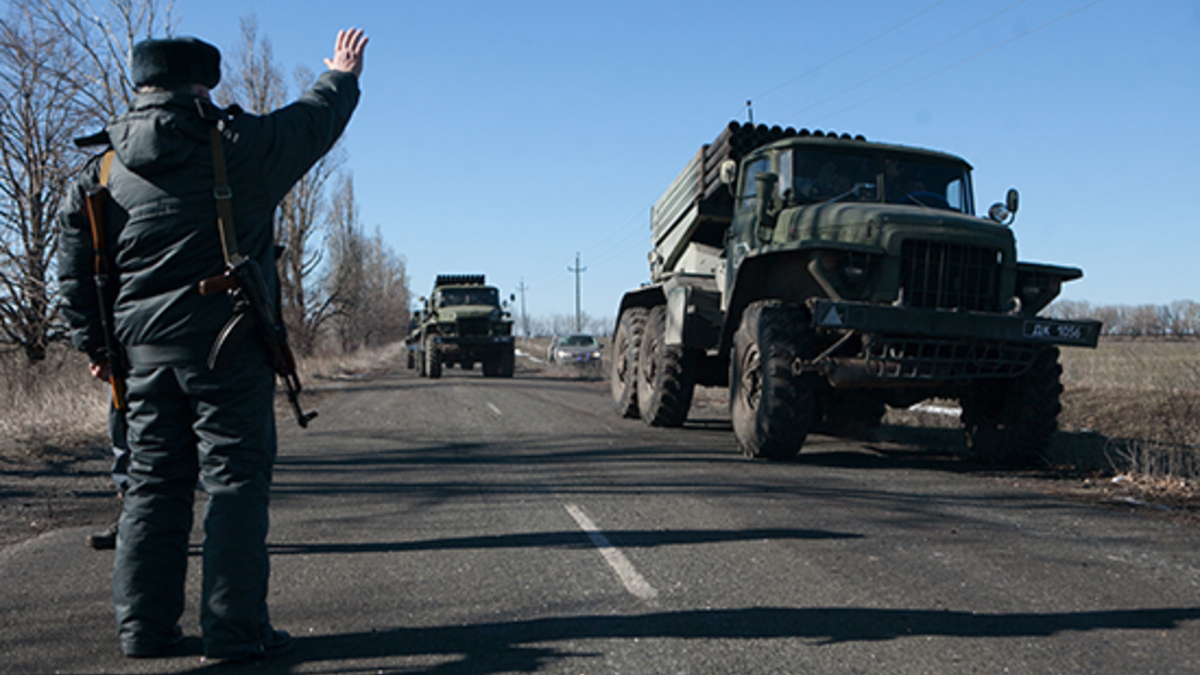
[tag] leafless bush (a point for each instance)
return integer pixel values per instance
(1151, 460)
(50, 404)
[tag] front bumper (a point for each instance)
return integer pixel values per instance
(906, 346)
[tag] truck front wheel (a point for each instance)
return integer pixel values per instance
(666, 377)
(433, 360)
(771, 406)
(1011, 421)
(623, 375)
(500, 364)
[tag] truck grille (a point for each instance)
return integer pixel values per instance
(940, 360)
(473, 327)
(937, 275)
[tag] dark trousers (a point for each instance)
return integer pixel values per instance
(189, 424)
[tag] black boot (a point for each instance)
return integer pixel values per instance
(104, 541)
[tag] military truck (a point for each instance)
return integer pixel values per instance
(823, 277)
(462, 321)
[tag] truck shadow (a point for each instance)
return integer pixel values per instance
(945, 449)
(526, 646)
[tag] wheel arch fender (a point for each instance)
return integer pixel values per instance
(782, 275)
(646, 297)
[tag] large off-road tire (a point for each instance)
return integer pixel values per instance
(433, 359)
(666, 375)
(508, 362)
(852, 413)
(1010, 421)
(771, 406)
(623, 373)
(500, 364)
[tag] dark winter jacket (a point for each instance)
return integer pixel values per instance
(161, 216)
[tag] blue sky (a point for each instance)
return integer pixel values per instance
(504, 136)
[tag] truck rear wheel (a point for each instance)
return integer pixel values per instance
(666, 377)
(771, 406)
(1011, 421)
(433, 360)
(623, 375)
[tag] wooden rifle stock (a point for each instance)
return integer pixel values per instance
(103, 266)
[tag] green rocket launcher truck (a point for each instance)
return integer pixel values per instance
(462, 321)
(823, 277)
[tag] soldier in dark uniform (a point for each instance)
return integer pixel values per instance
(189, 424)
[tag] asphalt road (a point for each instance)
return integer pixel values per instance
(472, 525)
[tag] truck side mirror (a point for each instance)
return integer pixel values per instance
(728, 173)
(1005, 213)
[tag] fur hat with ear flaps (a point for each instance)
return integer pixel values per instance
(176, 62)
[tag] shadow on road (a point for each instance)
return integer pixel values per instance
(567, 539)
(502, 647)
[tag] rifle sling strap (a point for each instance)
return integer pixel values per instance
(224, 196)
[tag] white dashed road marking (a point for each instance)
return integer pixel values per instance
(629, 576)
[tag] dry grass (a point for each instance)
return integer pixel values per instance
(361, 364)
(49, 407)
(1144, 397)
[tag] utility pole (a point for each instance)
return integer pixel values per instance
(577, 270)
(524, 321)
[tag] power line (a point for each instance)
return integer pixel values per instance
(963, 61)
(850, 51)
(908, 60)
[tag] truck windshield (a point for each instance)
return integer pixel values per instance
(468, 296)
(822, 176)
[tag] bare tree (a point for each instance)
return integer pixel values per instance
(365, 280)
(385, 294)
(39, 115)
(344, 277)
(301, 214)
(63, 69)
(253, 79)
(1185, 318)
(104, 32)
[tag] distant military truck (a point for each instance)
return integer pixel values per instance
(822, 277)
(462, 321)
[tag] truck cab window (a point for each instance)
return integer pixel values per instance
(749, 186)
(926, 184)
(819, 176)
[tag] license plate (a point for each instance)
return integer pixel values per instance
(1056, 331)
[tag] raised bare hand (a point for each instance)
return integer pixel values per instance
(348, 51)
